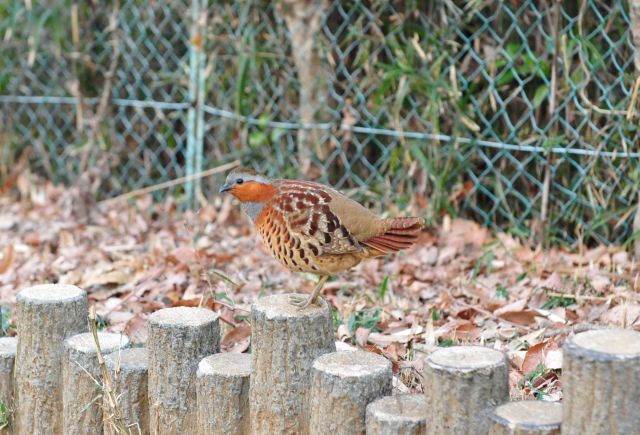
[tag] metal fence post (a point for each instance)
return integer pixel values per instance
(195, 115)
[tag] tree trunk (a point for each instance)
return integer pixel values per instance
(342, 385)
(223, 394)
(601, 383)
(397, 415)
(46, 316)
(304, 19)
(8, 347)
(462, 385)
(178, 340)
(129, 371)
(81, 396)
(285, 342)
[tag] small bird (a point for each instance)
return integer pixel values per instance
(310, 227)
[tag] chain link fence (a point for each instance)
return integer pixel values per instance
(519, 114)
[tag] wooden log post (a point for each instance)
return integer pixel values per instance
(527, 417)
(601, 383)
(402, 414)
(462, 384)
(82, 380)
(129, 371)
(178, 340)
(46, 315)
(342, 385)
(223, 394)
(8, 346)
(285, 342)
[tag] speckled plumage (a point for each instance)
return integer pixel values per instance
(310, 227)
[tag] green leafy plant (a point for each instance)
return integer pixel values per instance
(4, 415)
(365, 318)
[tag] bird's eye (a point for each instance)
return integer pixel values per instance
(239, 181)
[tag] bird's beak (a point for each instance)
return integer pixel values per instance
(225, 188)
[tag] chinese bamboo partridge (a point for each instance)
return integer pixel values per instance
(313, 228)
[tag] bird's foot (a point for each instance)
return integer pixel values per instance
(302, 301)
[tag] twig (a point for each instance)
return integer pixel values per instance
(587, 73)
(553, 92)
(107, 387)
(170, 183)
(634, 98)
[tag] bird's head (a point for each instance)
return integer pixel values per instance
(248, 186)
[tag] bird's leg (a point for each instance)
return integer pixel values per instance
(302, 302)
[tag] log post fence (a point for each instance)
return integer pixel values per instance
(293, 382)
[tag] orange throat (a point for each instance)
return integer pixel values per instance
(253, 197)
(253, 192)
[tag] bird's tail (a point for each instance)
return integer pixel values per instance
(401, 233)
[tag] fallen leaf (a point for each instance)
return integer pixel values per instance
(524, 318)
(237, 340)
(538, 354)
(7, 259)
(193, 302)
(534, 357)
(516, 306)
(136, 329)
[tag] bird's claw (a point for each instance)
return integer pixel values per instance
(301, 301)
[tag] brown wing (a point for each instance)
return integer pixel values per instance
(314, 216)
(400, 233)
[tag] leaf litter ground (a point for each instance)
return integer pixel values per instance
(460, 284)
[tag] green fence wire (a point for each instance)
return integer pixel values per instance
(511, 112)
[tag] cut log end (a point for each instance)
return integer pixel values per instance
(226, 364)
(402, 414)
(532, 417)
(85, 343)
(182, 317)
(51, 293)
(352, 364)
(605, 344)
(279, 307)
(466, 359)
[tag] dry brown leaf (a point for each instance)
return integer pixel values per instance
(194, 302)
(518, 305)
(136, 329)
(524, 318)
(7, 259)
(237, 340)
(534, 357)
(106, 275)
(538, 354)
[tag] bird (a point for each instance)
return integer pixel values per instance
(310, 227)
